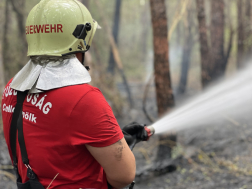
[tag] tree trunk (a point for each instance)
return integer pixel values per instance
(248, 29)
(217, 39)
(240, 45)
(111, 66)
(248, 15)
(145, 21)
(204, 48)
(187, 49)
(2, 79)
(115, 53)
(164, 95)
(19, 9)
(6, 57)
(213, 60)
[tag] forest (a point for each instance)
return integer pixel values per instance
(151, 58)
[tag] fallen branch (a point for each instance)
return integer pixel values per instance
(9, 175)
(115, 52)
(157, 168)
(178, 17)
(6, 167)
(231, 120)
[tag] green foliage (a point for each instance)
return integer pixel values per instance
(177, 151)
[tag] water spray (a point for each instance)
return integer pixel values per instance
(227, 100)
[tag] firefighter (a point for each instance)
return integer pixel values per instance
(68, 137)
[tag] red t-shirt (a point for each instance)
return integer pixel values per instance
(57, 124)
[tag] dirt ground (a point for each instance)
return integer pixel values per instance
(206, 158)
(211, 157)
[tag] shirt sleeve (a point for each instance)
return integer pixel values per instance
(93, 121)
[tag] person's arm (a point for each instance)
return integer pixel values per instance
(96, 127)
(117, 161)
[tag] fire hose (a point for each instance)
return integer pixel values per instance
(143, 133)
(133, 134)
(150, 131)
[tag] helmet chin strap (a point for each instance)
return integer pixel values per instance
(83, 60)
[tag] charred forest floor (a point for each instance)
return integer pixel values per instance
(205, 158)
(210, 157)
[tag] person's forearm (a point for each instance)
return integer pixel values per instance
(122, 178)
(118, 162)
(118, 185)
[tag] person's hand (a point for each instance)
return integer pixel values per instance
(134, 133)
(137, 130)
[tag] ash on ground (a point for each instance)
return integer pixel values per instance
(210, 157)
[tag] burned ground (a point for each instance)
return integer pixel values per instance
(211, 157)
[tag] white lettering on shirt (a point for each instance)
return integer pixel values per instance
(47, 107)
(8, 109)
(35, 98)
(29, 97)
(29, 116)
(8, 91)
(44, 106)
(41, 104)
(26, 115)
